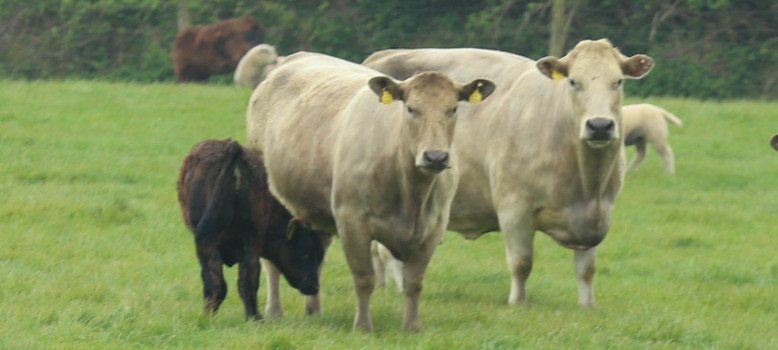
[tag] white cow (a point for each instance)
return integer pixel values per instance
(544, 153)
(355, 152)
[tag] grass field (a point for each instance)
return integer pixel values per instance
(94, 254)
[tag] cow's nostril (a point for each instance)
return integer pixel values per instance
(436, 157)
(600, 124)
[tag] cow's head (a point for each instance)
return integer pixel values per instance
(594, 72)
(298, 256)
(774, 142)
(430, 102)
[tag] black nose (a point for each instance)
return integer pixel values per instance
(436, 159)
(600, 124)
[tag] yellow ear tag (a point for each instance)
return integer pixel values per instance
(386, 97)
(556, 75)
(475, 97)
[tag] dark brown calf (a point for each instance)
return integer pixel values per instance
(226, 203)
(200, 52)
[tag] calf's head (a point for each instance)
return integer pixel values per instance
(594, 72)
(430, 102)
(298, 256)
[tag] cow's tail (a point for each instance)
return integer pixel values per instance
(672, 118)
(220, 210)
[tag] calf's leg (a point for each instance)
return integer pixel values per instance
(640, 154)
(214, 286)
(667, 156)
(248, 280)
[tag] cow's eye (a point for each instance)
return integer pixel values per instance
(452, 111)
(410, 110)
(618, 83)
(573, 83)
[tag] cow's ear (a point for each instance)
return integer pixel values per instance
(637, 66)
(552, 67)
(476, 91)
(387, 89)
(774, 142)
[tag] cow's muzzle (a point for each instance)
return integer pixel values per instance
(599, 132)
(434, 161)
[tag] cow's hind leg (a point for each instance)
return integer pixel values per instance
(584, 270)
(214, 286)
(640, 154)
(248, 280)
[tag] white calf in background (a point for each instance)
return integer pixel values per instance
(643, 124)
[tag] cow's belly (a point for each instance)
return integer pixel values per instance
(472, 211)
(576, 223)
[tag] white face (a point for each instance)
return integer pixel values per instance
(431, 118)
(594, 72)
(430, 102)
(596, 88)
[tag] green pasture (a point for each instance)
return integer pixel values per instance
(94, 254)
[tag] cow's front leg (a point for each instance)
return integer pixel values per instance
(356, 247)
(248, 280)
(413, 271)
(273, 308)
(584, 270)
(519, 246)
(214, 286)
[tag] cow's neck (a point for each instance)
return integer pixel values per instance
(596, 169)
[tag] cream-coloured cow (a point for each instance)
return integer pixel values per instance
(256, 64)
(645, 124)
(545, 152)
(355, 152)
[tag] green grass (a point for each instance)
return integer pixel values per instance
(93, 252)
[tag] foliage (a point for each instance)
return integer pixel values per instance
(703, 48)
(95, 253)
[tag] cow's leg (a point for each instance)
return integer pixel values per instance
(519, 248)
(584, 269)
(214, 286)
(356, 247)
(413, 276)
(248, 280)
(666, 152)
(640, 154)
(273, 308)
(379, 267)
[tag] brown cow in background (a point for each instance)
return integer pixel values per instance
(200, 52)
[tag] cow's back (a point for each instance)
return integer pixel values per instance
(295, 113)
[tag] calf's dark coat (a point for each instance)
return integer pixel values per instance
(226, 203)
